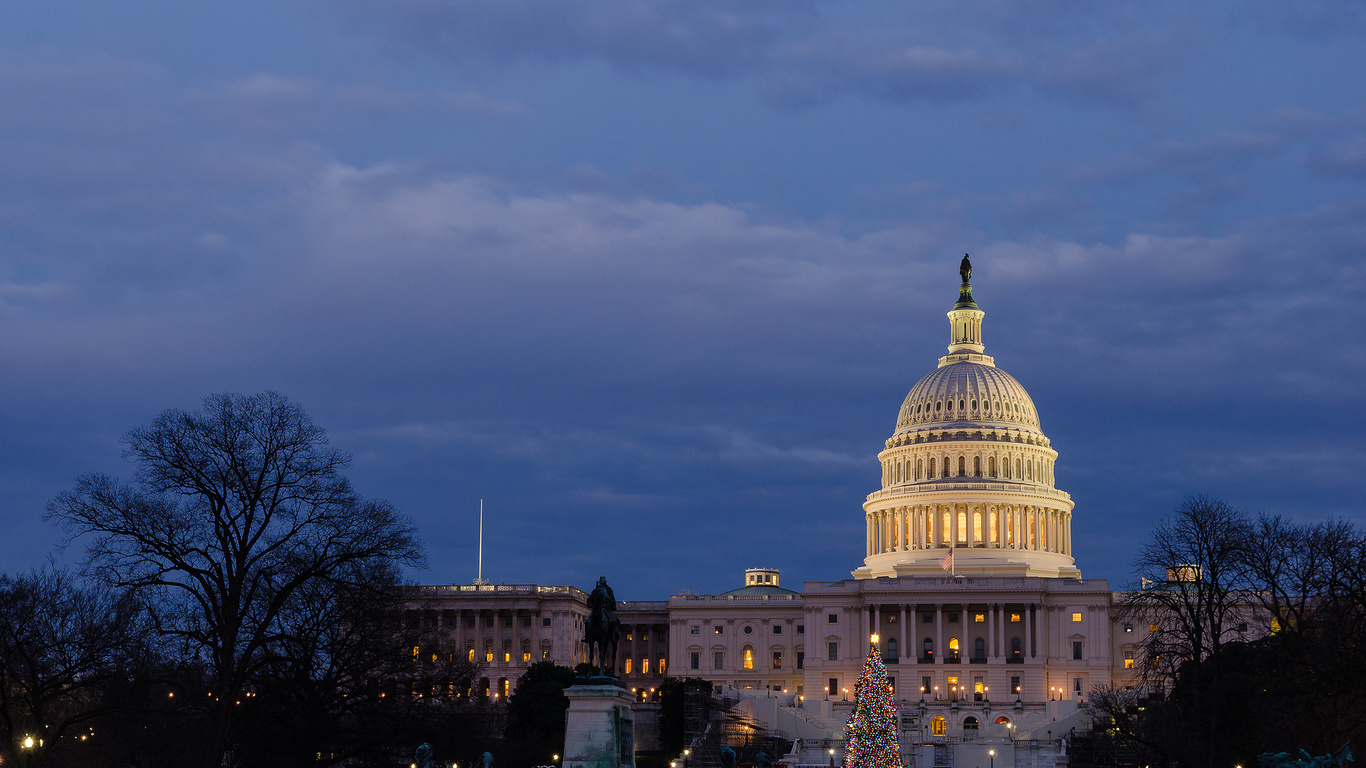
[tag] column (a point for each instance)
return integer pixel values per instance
(938, 631)
(991, 630)
(877, 622)
(863, 631)
(902, 639)
(953, 524)
(1029, 632)
(913, 650)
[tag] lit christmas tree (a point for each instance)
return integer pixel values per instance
(870, 735)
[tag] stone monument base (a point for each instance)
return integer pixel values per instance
(599, 728)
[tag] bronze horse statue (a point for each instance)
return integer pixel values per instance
(603, 628)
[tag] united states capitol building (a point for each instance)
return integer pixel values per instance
(990, 634)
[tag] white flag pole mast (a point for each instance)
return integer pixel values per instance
(479, 579)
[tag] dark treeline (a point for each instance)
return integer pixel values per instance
(239, 605)
(1260, 642)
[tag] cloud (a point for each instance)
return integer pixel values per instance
(708, 37)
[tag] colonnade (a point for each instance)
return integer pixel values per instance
(997, 629)
(993, 526)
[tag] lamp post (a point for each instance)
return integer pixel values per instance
(992, 754)
(832, 757)
(686, 754)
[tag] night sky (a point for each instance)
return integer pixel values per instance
(652, 277)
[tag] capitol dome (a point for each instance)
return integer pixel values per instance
(968, 471)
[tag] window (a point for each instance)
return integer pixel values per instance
(891, 685)
(645, 636)
(970, 723)
(545, 622)
(629, 637)
(924, 685)
(777, 659)
(891, 648)
(694, 660)
(834, 686)
(526, 654)
(1076, 650)
(777, 629)
(628, 666)
(718, 660)
(979, 649)
(488, 652)
(1015, 685)
(937, 726)
(929, 648)
(991, 466)
(1014, 618)
(644, 666)
(833, 618)
(1152, 627)
(1014, 646)
(748, 630)
(1128, 659)
(953, 618)
(962, 466)
(929, 619)
(801, 629)
(1076, 685)
(801, 659)
(694, 629)
(507, 621)
(834, 649)
(1076, 618)
(526, 622)
(979, 617)
(659, 670)
(748, 657)
(488, 621)
(716, 630)
(1128, 628)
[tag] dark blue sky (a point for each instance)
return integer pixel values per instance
(652, 277)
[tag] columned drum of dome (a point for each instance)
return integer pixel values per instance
(968, 470)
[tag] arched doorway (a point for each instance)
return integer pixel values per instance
(970, 723)
(937, 726)
(1003, 720)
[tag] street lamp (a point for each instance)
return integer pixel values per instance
(832, 758)
(992, 753)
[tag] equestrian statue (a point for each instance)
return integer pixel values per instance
(603, 628)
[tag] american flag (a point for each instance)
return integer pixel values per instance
(948, 560)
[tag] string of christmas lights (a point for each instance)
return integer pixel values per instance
(870, 735)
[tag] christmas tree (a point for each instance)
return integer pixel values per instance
(870, 735)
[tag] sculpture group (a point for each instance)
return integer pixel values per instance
(603, 628)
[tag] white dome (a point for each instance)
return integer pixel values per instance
(965, 391)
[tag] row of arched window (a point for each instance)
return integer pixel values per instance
(934, 526)
(1016, 467)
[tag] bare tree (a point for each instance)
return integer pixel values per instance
(1194, 584)
(234, 510)
(62, 645)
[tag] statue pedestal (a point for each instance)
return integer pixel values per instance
(599, 728)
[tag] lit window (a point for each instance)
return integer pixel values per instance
(644, 666)
(777, 659)
(628, 637)
(628, 666)
(1129, 628)
(471, 654)
(937, 726)
(414, 653)
(507, 655)
(1128, 659)
(1076, 618)
(695, 629)
(716, 630)
(1152, 627)
(660, 669)
(526, 655)
(749, 658)
(1015, 617)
